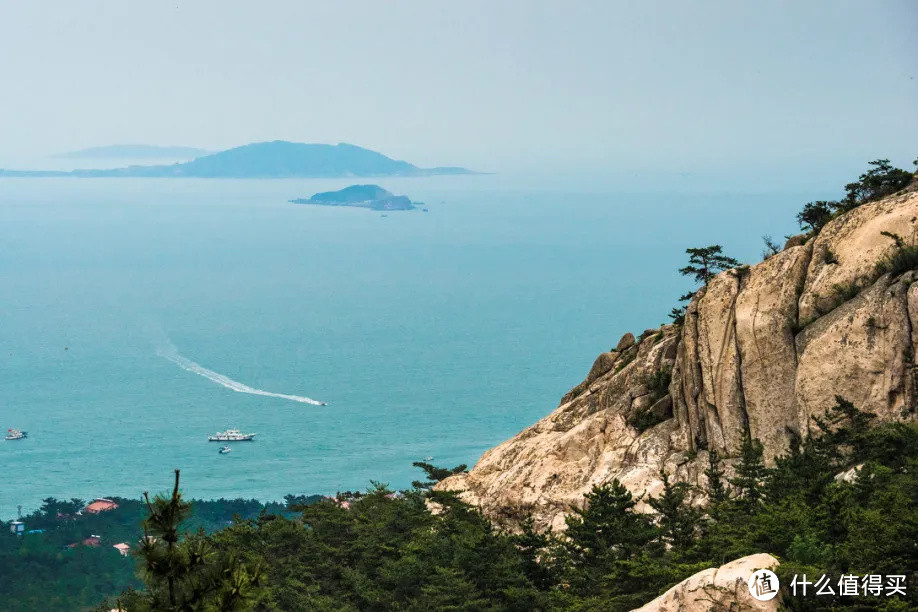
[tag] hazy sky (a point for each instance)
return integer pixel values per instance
(493, 85)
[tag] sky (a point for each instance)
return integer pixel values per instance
(711, 87)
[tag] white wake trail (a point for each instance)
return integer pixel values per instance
(186, 364)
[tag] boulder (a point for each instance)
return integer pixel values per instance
(722, 588)
(626, 342)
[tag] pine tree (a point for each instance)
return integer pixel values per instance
(677, 518)
(707, 261)
(533, 547)
(435, 474)
(750, 472)
(604, 533)
(186, 573)
(714, 473)
(815, 215)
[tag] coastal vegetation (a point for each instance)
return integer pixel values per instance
(841, 502)
(880, 180)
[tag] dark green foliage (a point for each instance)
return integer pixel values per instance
(843, 293)
(53, 508)
(750, 473)
(815, 215)
(533, 548)
(714, 473)
(771, 247)
(880, 180)
(904, 257)
(677, 519)
(41, 571)
(186, 573)
(677, 315)
(642, 420)
(382, 550)
(605, 547)
(705, 262)
(658, 382)
(386, 551)
(435, 474)
(657, 387)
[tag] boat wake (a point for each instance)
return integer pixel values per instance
(190, 366)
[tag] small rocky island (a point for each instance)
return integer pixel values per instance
(373, 197)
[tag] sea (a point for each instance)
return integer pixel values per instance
(138, 316)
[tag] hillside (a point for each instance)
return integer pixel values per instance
(276, 159)
(762, 350)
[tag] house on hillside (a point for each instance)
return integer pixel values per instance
(123, 548)
(94, 541)
(100, 504)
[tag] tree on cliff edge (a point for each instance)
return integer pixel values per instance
(707, 261)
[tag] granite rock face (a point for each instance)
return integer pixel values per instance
(762, 349)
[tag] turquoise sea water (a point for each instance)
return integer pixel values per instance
(439, 333)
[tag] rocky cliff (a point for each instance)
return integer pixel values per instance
(762, 349)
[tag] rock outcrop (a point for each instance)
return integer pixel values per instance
(722, 588)
(762, 349)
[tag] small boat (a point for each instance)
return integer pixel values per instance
(231, 435)
(428, 458)
(15, 434)
(224, 449)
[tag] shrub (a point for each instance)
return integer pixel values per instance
(903, 258)
(658, 383)
(642, 420)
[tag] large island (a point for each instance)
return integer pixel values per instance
(373, 197)
(277, 159)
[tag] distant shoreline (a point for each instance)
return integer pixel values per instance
(277, 159)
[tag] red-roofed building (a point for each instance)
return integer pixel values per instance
(122, 548)
(93, 541)
(100, 505)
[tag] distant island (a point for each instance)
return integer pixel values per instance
(373, 197)
(277, 159)
(134, 151)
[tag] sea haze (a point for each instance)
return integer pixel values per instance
(140, 315)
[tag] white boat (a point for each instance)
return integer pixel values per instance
(15, 434)
(231, 435)
(224, 449)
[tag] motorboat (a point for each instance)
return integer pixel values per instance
(231, 435)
